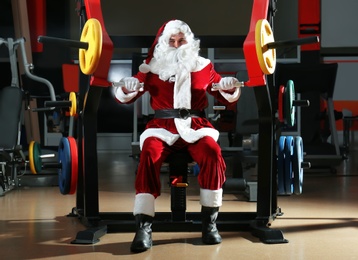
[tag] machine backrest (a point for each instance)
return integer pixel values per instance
(10, 112)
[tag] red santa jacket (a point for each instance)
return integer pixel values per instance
(168, 95)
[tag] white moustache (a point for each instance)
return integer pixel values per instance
(172, 59)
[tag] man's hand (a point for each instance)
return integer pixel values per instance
(130, 84)
(227, 83)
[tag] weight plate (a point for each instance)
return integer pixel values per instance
(37, 157)
(89, 58)
(74, 164)
(196, 170)
(280, 165)
(288, 176)
(288, 107)
(297, 165)
(31, 157)
(35, 160)
(64, 173)
(281, 93)
(265, 56)
(73, 99)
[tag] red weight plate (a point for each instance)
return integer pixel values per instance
(280, 103)
(289, 108)
(74, 164)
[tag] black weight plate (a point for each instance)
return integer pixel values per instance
(64, 173)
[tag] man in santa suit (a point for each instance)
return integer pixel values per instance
(178, 81)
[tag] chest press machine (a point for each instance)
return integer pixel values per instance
(95, 57)
(13, 160)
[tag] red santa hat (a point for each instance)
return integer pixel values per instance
(144, 67)
(173, 24)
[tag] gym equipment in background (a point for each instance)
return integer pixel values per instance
(315, 82)
(290, 165)
(12, 157)
(15, 163)
(66, 164)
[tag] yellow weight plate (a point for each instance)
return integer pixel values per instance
(89, 58)
(31, 157)
(265, 56)
(73, 99)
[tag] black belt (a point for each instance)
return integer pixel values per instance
(182, 113)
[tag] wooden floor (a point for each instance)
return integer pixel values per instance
(321, 223)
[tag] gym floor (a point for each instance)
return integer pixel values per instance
(321, 223)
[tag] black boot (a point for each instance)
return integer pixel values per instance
(210, 234)
(143, 237)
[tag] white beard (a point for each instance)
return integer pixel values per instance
(169, 61)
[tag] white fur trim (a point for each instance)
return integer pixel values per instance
(144, 204)
(211, 198)
(190, 135)
(144, 68)
(202, 63)
(161, 133)
(182, 92)
(231, 97)
(123, 97)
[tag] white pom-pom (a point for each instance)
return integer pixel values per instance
(144, 68)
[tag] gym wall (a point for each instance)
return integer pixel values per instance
(339, 43)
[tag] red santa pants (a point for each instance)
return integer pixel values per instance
(205, 152)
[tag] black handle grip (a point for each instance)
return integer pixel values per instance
(306, 165)
(43, 109)
(301, 103)
(63, 42)
(58, 103)
(307, 40)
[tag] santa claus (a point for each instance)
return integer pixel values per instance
(178, 80)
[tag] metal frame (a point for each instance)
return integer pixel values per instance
(99, 223)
